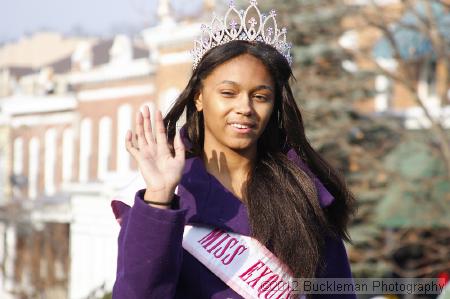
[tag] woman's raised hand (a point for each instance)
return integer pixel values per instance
(161, 171)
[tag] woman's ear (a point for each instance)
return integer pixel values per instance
(199, 101)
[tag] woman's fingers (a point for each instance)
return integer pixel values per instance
(141, 140)
(129, 144)
(161, 138)
(148, 132)
(179, 147)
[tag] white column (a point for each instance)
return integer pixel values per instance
(18, 156)
(50, 161)
(33, 167)
(104, 146)
(85, 149)
(123, 125)
(68, 155)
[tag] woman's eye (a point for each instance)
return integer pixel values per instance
(261, 97)
(227, 93)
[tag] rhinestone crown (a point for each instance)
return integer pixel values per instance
(242, 25)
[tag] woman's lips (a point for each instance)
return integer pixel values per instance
(241, 130)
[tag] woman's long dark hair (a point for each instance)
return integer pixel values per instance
(282, 201)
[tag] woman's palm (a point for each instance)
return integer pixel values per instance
(160, 170)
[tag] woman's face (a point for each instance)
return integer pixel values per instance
(237, 100)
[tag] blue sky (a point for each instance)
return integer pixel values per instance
(99, 17)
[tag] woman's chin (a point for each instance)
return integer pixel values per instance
(241, 145)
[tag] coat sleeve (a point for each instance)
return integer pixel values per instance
(149, 250)
(336, 265)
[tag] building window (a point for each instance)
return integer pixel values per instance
(85, 149)
(68, 150)
(427, 79)
(123, 125)
(431, 78)
(104, 146)
(33, 171)
(383, 87)
(426, 88)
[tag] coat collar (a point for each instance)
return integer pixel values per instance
(208, 202)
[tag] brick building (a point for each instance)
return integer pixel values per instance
(64, 126)
(429, 75)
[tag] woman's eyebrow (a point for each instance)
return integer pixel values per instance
(262, 87)
(228, 82)
(259, 87)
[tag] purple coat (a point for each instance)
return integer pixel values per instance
(151, 261)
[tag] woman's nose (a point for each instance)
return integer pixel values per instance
(244, 105)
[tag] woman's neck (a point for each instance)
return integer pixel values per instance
(230, 167)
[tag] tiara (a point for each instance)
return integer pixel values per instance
(233, 26)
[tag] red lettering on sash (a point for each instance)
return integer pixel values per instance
(239, 250)
(249, 272)
(259, 276)
(218, 243)
(210, 238)
(264, 273)
(227, 246)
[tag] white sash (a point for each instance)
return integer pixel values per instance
(242, 262)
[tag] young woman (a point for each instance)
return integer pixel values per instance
(242, 166)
